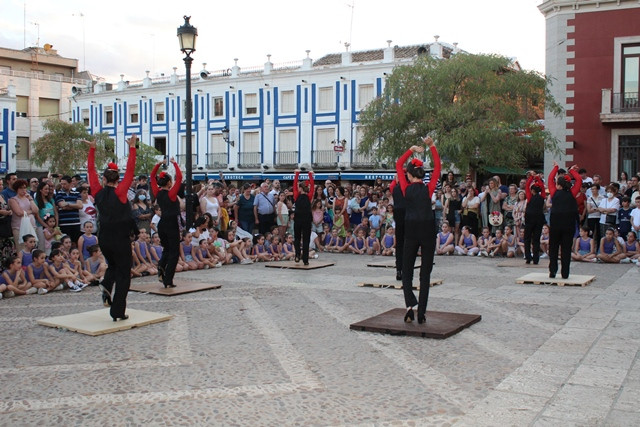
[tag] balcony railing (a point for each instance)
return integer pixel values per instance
(217, 160)
(42, 76)
(619, 107)
(362, 160)
(286, 158)
(625, 102)
(181, 159)
(325, 158)
(249, 160)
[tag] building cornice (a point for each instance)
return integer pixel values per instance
(553, 7)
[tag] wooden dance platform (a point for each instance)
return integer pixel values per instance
(313, 264)
(388, 264)
(397, 285)
(439, 324)
(99, 322)
(181, 288)
(544, 279)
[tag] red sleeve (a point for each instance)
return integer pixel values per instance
(92, 175)
(543, 192)
(295, 186)
(402, 179)
(527, 187)
(123, 186)
(173, 193)
(437, 168)
(154, 183)
(311, 186)
(576, 185)
(552, 180)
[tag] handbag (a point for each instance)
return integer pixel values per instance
(26, 227)
(611, 219)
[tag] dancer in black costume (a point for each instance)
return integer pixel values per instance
(166, 194)
(303, 218)
(420, 220)
(116, 227)
(564, 218)
(398, 218)
(533, 217)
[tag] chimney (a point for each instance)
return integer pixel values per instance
(122, 85)
(174, 76)
(435, 49)
(388, 53)
(346, 55)
(146, 82)
(307, 62)
(235, 70)
(268, 66)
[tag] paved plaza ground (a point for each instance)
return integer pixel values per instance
(273, 347)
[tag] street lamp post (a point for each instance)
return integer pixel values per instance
(187, 35)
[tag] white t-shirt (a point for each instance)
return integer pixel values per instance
(154, 221)
(635, 219)
(608, 204)
(312, 240)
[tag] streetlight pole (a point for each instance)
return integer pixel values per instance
(187, 34)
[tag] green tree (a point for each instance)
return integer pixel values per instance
(479, 109)
(63, 150)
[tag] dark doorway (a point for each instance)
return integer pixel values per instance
(160, 144)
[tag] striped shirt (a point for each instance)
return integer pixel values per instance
(68, 216)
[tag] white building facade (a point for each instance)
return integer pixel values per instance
(279, 117)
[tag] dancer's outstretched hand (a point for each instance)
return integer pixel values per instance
(91, 144)
(428, 141)
(131, 142)
(417, 149)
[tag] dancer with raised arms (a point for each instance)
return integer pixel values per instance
(165, 190)
(302, 194)
(420, 220)
(116, 227)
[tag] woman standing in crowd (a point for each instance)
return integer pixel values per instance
(471, 208)
(593, 212)
(563, 219)
(141, 210)
(243, 209)
(495, 200)
(46, 206)
(303, 218)
(88, 211)
(420, 220)
(116, 227)
(210, 203)
(166, 193)
(20, 205)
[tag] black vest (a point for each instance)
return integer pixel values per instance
(398, 199)
(564, 209)
(303, 209)
(170, 209)
(113, 215)
(418, 204)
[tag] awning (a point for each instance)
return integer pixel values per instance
(505, 171)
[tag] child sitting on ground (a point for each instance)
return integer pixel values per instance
(202, 254)
(468, 244)
(483, 242)
(333, 243)
(186, 255)
(25, 254)
(38, 274)
(509, 242)
(15, 279)
(61, 273)
(389, 242)
(95, 265)
(632, 247)
(259, 251)
(373, 245)
(544, 242)
(357, 245)
(76, 267)
(143, 252)
(610, 249)
(496, 245)
(444, 240)
(275, 248)
(288, 251)
(584, 248)
(375, 220)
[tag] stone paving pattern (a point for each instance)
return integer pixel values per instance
(273, 347)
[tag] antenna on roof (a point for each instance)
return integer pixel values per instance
(353, 7)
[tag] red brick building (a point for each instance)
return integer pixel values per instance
(593, 59)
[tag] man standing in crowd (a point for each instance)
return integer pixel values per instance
(33, 186)
(143, 183)
(264, 209)
(69, 205)
(634, 189)
(9, 180)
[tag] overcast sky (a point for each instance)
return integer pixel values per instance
(129, 37)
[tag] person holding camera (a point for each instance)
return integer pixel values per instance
(116, 227)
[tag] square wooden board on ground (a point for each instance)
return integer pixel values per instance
(544, 279)
(439, 324)
(387, 264)
(99, 322)
(397, 285)
(313, 264)
(181, 288)
(521, 263)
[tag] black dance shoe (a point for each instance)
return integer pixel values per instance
(552, 275)
(106, 296)
(421, 319)
(125, 317)
(408, 317)
(169, 285)
(399, 275)
(306, 263)
(297, 259)
(528, 261)
(160, 273)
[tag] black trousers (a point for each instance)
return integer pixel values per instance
(266, 222)
(169, 233)
(532, 232)
(422, 237)
(116, 249)
(560, 236)
(302, 235)
(398, 217)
